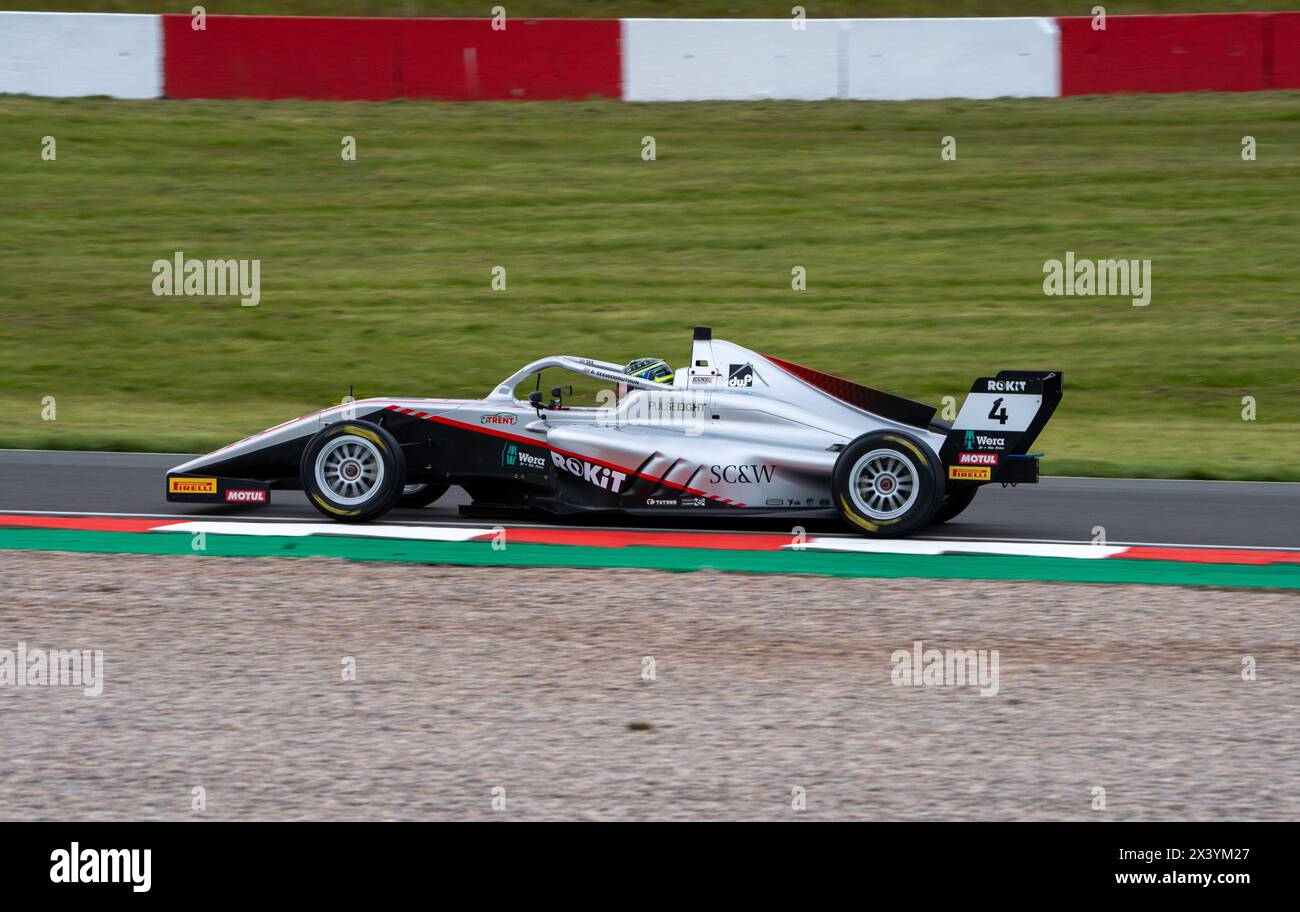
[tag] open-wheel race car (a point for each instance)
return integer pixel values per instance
(735, 431)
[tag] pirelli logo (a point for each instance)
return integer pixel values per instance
(970, 473)
(191, 486)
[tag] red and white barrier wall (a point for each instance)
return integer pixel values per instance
(135, 56)
(73, 54)
(704, 59)
(373, 59)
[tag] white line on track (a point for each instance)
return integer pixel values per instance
(344, 530)
(933, 547)
(371, 530)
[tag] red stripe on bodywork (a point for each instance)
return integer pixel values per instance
(597, 538)
(1211, 555)
(533, 441)
(84, 523)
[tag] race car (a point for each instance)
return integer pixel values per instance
(735, 431)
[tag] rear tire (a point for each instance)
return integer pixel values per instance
(954, 503)
(353, 471)
(887, 484)
(420, 495)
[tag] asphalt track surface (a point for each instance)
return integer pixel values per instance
(1131, 510)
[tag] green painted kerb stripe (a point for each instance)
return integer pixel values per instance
(956, 566)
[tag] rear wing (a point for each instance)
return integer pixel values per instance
(998, 423)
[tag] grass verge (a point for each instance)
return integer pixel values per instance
(922, 273)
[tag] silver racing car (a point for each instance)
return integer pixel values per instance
(735, 431)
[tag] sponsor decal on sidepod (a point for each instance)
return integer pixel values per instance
(741, 474)
(512, 455)
(970, 473)
(600, 476)
(989, 459)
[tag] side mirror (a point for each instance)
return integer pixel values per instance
(557, 392)
(535, 400)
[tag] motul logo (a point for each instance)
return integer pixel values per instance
(977, 459)
(245, 497)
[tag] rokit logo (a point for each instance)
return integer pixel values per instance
(990, 459)
(740, 376)
(245, 496)
(601, 476)
(1006, 386)
(741, 474)
(975, 441)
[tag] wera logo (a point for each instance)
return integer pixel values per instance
(980, 441)
(78, 865)
(511, 455)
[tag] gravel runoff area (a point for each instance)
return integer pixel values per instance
(768, 692)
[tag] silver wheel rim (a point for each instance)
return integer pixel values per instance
(349, 469)
(884, 484)
(408, 490)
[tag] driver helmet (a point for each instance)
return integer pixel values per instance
(655, 369)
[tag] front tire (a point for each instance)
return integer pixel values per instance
(887, 484)
(353, 471)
